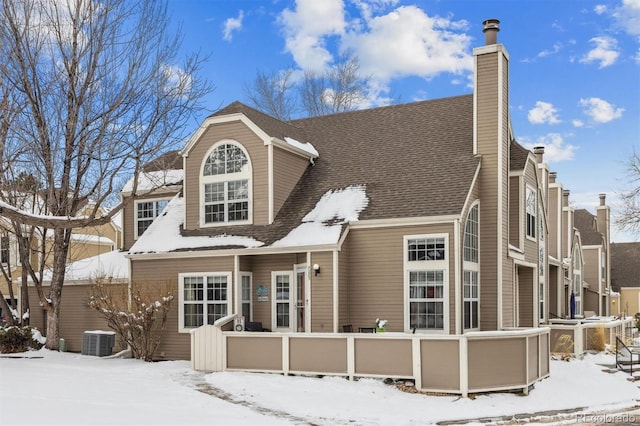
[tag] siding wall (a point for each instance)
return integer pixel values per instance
(165, 272)
(492, 95)
(240, 133)
(322, 293)
(376, 274)
(287, 170)
(344, 307)
(75, 315)
(515, 211)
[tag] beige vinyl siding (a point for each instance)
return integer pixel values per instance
(526, 296)
(515, 211)
(165, 272)
(344, 312)
(322, 293)
(591, 268)
(287, 170)
(261, 267)
(494, 166)
(553, 225)
(240, 133)
(376, 274)
(75, 315)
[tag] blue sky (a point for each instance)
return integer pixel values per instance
(574, 71)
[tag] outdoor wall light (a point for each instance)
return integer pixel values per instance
(316, 269)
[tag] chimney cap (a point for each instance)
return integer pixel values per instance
(490, 28)
(491, 24)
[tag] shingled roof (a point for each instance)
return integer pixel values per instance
(625, 265)
(517, 156)
(586, 223)
(415, 159)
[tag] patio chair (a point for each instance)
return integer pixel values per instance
(347, 328)
(255, 326)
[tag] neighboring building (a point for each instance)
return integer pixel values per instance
(85, 242)
(625, 278)
(595, 238)
(429, 215)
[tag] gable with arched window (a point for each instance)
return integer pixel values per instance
(225, 185)
(471, 270)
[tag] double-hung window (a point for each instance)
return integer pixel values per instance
(245, 294)
(471, 272)
(4, 249)
(576, 287)
(226, 186)
(425, 280)
(282, 300)
(204, 298)
(146, 212)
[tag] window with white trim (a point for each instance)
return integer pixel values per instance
(4, 250)
(226, 186)
(146, 212)
(425, 275)
(245, 296)
(282, 303)
(203, 298)
(531, 209)
(471, 268)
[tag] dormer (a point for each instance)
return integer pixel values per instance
(240, 167)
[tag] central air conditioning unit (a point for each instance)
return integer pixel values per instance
(98, 343)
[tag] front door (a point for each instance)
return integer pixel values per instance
(301, 298)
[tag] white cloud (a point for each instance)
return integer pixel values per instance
(407, 41)
(600, 110)
(306, 27)
(543, 112)
(555, 148)
(606, 51)
(628, 16)
(231, 25)
(577, 123)
(600, 9)
(548, 52)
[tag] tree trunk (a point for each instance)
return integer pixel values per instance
(60, 251)
(24, 299)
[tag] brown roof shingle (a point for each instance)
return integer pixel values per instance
(588, 227)
(415, 159)
(625, 265)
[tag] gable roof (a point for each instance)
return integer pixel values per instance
(586, 223)
(625, 265)
(412, 160)
(517, 156)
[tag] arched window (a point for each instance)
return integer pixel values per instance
(471, 272)
(226, 185)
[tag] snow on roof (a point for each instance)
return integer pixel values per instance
(307, 147)
(163, 235)
(323, 224)
(85, 238)
(111, 264)
(157, 179)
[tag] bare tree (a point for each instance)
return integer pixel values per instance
(96, 90)
(630, 215)
(341, 88)
(138, 316)
(272, 94)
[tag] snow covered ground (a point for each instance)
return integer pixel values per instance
(51, 388)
